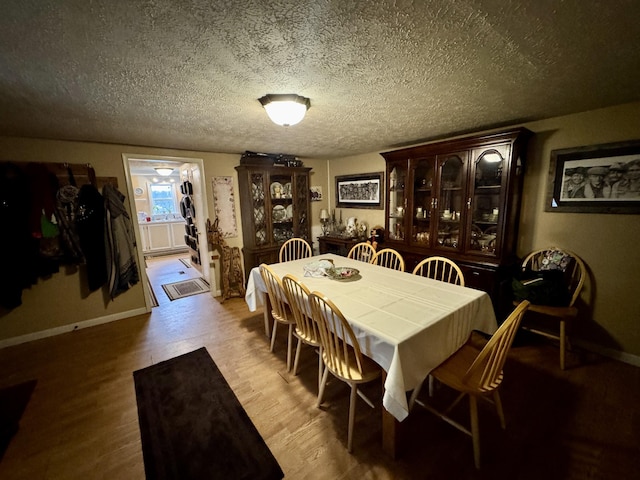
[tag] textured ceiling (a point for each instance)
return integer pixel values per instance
(187, 74)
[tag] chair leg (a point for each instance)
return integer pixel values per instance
(289, 347)
(320, 369)
(475, 434)
(352, 415)
(563, 333)
(323, 384)
(273, 335)
(414, 395)
(498, 402)
(297, 359)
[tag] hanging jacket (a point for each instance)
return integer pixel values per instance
(66, 207)
(122, 267)
(17, 261)
(90, 219)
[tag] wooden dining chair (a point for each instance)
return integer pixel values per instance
(294, 249)
(478, 374)
(440, 268)
(280, 310)
(574, 275)
(363, 252)
(388, 257)
(341, 355)
(306, 329)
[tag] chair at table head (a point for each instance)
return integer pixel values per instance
(389, 258)
(477, 374)
(306, 328)
(554, 258)
(440, 268)
(280, 310)
(341, 353)
(363, 252)
(294, 249)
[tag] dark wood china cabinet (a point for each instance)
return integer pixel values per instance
(275, 204)
(459, 199)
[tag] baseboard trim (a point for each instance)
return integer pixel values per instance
(71, 327)
(608, 352)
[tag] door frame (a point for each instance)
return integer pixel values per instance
(201, 206)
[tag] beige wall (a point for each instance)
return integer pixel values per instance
(367, 163)
(610, 314)
(58, 304)
(605, 242)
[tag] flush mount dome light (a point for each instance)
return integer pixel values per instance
(164, 171)
(285, 109)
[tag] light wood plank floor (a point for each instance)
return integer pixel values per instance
(82, 422)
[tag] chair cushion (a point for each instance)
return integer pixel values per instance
(555, 260)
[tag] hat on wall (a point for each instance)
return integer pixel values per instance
(577, 170)
(620, 167)
(598, 171)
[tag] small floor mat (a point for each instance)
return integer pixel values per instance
(185, 288)
(186, 262)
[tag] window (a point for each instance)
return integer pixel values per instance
(163, 198)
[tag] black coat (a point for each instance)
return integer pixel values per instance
(90, 218)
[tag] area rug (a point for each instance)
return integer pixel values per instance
(185, 288)
(13, 401)
(193, 427)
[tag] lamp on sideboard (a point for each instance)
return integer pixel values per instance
(324, 221)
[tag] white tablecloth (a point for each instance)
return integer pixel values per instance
(408, 324)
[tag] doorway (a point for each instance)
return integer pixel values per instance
(167, 198)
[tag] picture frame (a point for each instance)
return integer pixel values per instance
(595, 179)
(363, 190)
(316, 194)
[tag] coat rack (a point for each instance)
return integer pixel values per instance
(82, 173)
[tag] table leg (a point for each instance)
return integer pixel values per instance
(391, 430)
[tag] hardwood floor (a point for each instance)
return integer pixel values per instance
(82, 422)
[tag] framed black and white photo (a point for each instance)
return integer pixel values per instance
(360, 191)
(595, 179)
(316, 194)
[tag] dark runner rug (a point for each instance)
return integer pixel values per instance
(193, 426)
(13, 401)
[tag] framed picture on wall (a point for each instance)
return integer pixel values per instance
(595, 179)
(360, 191)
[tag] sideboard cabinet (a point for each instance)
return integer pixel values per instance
(459, 199)
(275, 202)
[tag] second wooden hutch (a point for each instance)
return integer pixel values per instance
(459, 199)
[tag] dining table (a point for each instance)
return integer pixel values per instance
(407, 323)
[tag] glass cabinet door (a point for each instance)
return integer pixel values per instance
(301, 198)
(396, 202)
(258, 203)
(423, 201)
(281, 196)
(450, 205)
(489, 167)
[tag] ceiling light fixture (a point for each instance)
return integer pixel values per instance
(285, 109)
(164, 171)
